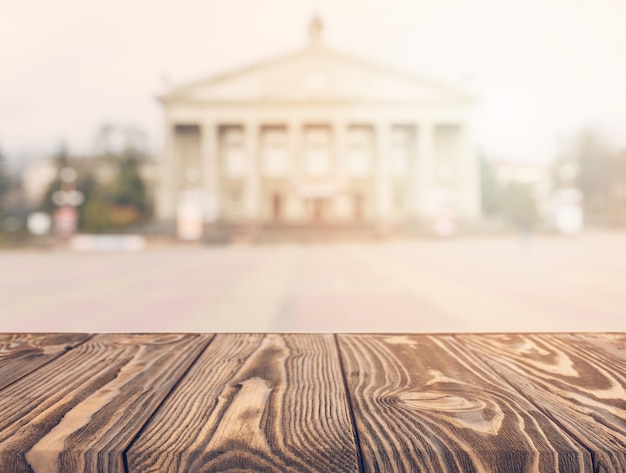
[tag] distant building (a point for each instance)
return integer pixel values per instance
(36, 178)
(537, 177)
(532, 174)
(318, 137)
(558, 202)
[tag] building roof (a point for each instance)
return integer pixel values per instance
(318, 74)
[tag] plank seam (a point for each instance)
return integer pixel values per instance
(546, 413)
(165, 398)
(357, 440)
(54, 358)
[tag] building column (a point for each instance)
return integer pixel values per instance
(339, 151)
(424, 169)
(168, 175)
(411, 186)
(210, 169)
(293, 208)
(340, 203)
(293, 151)
(382, 184)
(252, 194)
(470, 176)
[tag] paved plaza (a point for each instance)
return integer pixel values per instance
(471, 284)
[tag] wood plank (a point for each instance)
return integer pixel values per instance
(424, 404)
(22, 353)
(79, 412)
(578, 387)
(273, 403)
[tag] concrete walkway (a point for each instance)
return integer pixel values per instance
(554, 284)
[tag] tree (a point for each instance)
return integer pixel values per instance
(61, 160)
(5, 181)
(490, 189)
(95, 214)
(519, 206)
(124, 200)
(600, 175)
(13, 205)
(131, 190)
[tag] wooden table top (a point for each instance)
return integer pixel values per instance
(313, 402)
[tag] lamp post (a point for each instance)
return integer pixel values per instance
(189, 224)
(66, 199)
(568, 215)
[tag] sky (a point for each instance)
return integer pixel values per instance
(541, 69)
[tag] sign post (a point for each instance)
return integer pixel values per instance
(190, 216)
(65, 218)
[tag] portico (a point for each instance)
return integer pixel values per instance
(319, 137)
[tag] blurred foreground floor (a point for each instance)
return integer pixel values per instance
(495, 284)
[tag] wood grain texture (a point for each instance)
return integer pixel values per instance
(581, 386)
(22, 353)
(611, 347)
(273, 403)
(252, 402)
(423, 404)
(79, 412)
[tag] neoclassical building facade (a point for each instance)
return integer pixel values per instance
(317, 137)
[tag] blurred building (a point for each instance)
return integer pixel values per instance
(36, 177)
(526, 173)
(318, 136)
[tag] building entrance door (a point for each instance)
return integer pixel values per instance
(276, 207)
(358, 207)
(318, 210)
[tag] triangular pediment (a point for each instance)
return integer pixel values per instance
(317, 74)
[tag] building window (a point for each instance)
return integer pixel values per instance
(360, 153)
(358, 207)
(274, 152)
(277, 206)
(398, 199)
(233, 152)
(401, 150)
(188, 149)
(447, 152)
(234, 203)
(317, 152)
